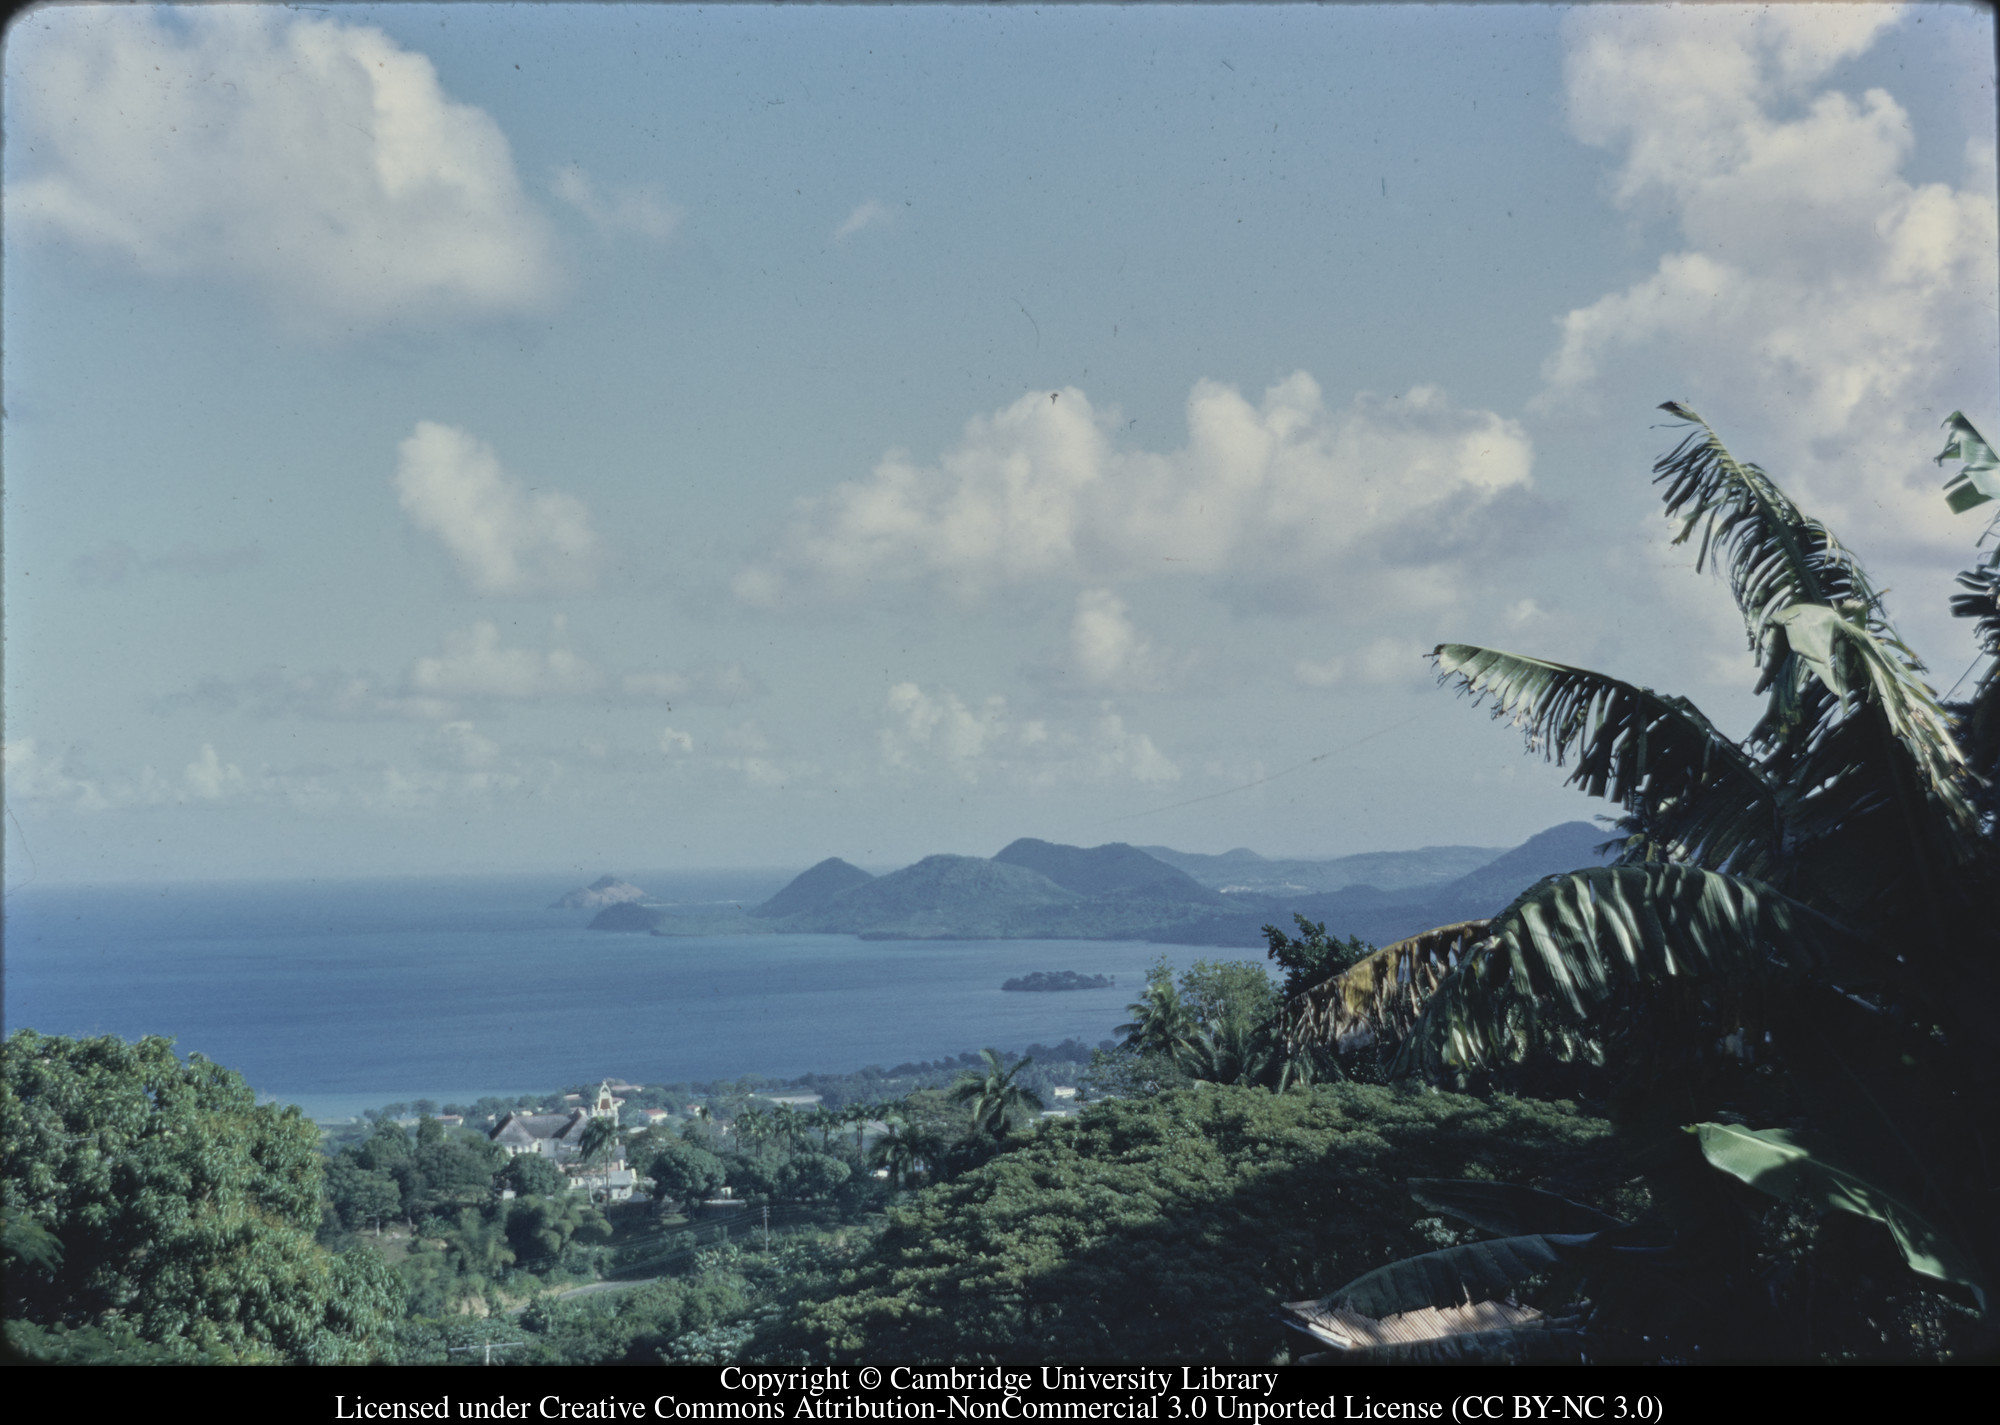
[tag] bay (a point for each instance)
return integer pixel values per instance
(339, 995)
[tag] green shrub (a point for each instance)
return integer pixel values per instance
(1168, 1228)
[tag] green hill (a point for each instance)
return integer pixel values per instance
(1107, 870)
(943, 898)
(812, 890)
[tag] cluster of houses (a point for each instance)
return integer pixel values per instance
(558, 1137)
(607, 1177)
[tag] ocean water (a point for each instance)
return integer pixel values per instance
(340, 995)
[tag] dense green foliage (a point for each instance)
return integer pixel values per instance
(633, 1327)
(1312, 955)
(1168, 1228)
(1220, 1024)
(532, 1175)
(685, 1172)
(389, 1176)
(153, 1201)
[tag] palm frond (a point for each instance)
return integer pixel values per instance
(1656, 755)
(1560, 962)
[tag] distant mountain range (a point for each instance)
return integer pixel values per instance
(1039, 890)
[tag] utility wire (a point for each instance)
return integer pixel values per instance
(1231, 791)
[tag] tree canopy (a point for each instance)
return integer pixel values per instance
(1167, 1228)
(169, 1207)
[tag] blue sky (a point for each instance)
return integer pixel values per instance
(536, 437)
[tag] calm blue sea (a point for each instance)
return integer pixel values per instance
(340, 995)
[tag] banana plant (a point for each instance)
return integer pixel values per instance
(1818, 902)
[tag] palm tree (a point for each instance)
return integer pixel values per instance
(753, 1126)
(599, 1135)
(996, 1101)
(859, 1116)
(1161, 1021)
(1234, 1051)
(825, 1120)
(1817, 901)
(896, 1149)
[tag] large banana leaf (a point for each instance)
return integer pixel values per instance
(1563, 958)
(1977, 483)
(1828, 654)
(1381, 995)
(1859, 666)
(1507, 1346)
(1656, 755)
(1981, 601)
(1774, 554)
(1508, 1209)
(1489, 1333)
(1467, 1274)
(1979, 480)
(1793, 1169)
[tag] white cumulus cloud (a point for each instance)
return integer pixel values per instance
(316, 159)
(36, 776)
(210, 778)
(1108, 651)
(1283, 501)
(504, 537)
(55, 781)
(1815, 294)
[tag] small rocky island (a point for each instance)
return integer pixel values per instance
(602, 892)
(1061, 980)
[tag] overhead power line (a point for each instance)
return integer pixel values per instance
(1231, 791)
